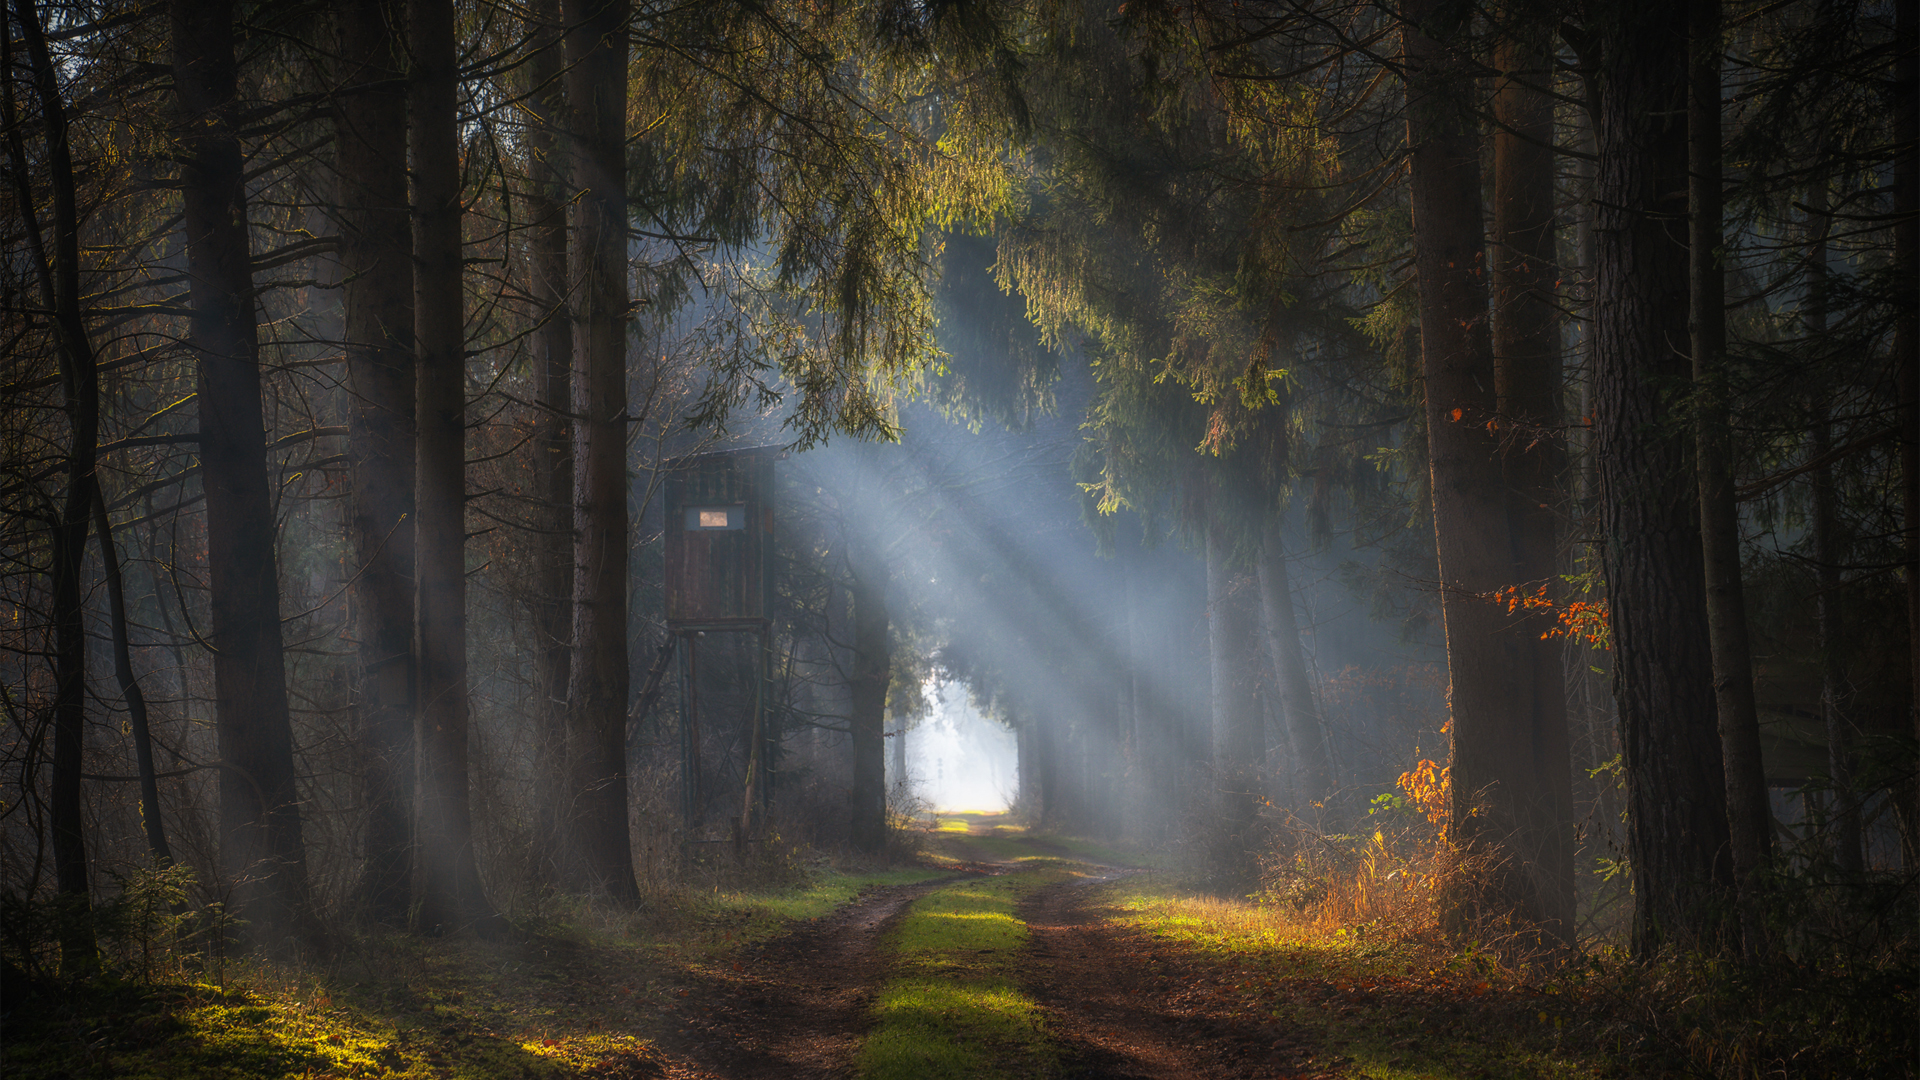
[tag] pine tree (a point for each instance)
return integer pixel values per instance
(598, 680)
(449, 895)
(262, 848)
(1649, 504)
(376, 254)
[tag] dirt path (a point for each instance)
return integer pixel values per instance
(1120, 1005)
(794, 1007)
(1118, 1002)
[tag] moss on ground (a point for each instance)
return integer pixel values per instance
(582, 997)
(179, 1030)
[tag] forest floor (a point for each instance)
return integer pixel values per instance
(1002, 955)
(1102, 969)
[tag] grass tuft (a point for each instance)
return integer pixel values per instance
(954, 1008)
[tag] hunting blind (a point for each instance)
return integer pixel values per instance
(719, 549)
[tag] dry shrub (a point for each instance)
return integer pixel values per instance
(766, 863)
(1400, 872)
(1406, 872)
(1386, 879)
(910, 824)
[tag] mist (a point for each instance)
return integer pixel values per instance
(479, 470)
(957, 759)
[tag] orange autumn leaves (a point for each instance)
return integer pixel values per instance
(1582, 620)
(1426, 787)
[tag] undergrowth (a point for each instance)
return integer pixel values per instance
(1340, 948)
(1345, 941)
(581, 995)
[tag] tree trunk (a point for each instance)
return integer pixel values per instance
(872, 672)
(757, 787)
(1235, 709)
(1527, 387)
(449, 897)
(376, 255)
(1906, 361)
(67, 819)
(1133, 653)
(1749, 820)
(1049, 802)
(1589, 699)
(1144, 759)
(897, 750)
(1843, 823)
(1027, 750)
(1649, 504)
(262, 851)
(1297, 706)
(137, 724)
(552, 341)
(1508, 758)
(59, 273)
(596, 52)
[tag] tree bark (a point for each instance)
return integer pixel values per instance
(59, 273)
(1649, 503)
(872, 672)
(449, 896)
(552, 341)
(376, 255)
(1297, 706)
(1508, 757)
(262, 850)
(596, 84)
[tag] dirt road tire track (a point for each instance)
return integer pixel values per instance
(1107, 992)
(798, 1006)
(795, 1007)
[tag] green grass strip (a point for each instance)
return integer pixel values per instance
(766, 913)
(953, 1007)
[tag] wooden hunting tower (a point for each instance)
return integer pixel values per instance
(719, 557)
(719, 526)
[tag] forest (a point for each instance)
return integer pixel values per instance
(497, 492)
